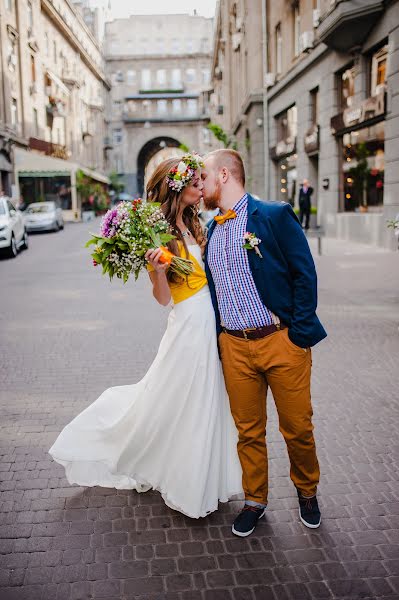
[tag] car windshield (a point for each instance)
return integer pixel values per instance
(40, 208)
(2, 208)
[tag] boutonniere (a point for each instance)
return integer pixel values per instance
(251, 242)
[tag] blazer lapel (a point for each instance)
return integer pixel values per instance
(252, 227)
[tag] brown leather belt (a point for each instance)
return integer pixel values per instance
(256, 333)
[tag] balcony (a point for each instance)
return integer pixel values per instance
(349, 22)
(48, 148)
(55, 107)
(161, 108)
(364, 114)
(283, 148)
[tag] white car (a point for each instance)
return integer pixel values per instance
(13, 235)
(43, 216)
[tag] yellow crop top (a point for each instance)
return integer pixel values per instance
(191, 285)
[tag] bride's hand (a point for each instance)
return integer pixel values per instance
(153, 256)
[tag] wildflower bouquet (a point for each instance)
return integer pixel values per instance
(127, 232)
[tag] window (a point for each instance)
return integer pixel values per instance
(176, 78)
(176, 106)
(131, 77)
(346, 81)
(30, 15)
(192, 107)
(117, 105)
(162, 107)
(297, 30)
(292, 122)
(378, 71)
(146, 79)
(117, 136)
(190, 75)
(189, 45)
(119, 77)
(279, 49)
(175, 46)
(161, 77)
(9, 5)
(160, 46)
(32, 68)
(206, 76)
(55, 52)
(14, 112)
(47, 44)
(314, 106)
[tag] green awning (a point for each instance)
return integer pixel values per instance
(44, 173)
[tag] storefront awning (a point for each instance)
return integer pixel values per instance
(44, 173)
(33, 164)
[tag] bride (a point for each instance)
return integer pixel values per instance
(173, 430)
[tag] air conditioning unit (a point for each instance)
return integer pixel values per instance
(270, 79)
(33, 88)
(316, 17)
(306, 41)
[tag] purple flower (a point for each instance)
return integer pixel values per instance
(109, 223)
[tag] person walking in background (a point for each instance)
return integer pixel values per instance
(305, 193)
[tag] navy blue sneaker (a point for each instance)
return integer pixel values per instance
(309, 511)
(247, 520)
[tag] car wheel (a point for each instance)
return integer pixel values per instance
(25, 243)
(56, 226)
(12, 249)
(62, 225)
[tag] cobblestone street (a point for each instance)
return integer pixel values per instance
(67, 334)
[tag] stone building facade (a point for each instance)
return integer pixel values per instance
(53, 92)
(159, 66)
(325, 81)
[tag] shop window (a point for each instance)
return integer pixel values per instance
(379, 71)
(363, 169)
(346, 87)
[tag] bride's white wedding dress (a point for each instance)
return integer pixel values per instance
(172, 431)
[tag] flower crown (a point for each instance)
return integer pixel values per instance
(180, 176)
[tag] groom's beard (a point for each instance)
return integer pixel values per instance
(212, 200)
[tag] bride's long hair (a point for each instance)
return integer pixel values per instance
(158, 190)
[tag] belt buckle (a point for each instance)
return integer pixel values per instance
(245, 334)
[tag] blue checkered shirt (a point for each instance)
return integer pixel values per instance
(238, 299)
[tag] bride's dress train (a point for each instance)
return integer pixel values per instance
(172, 431)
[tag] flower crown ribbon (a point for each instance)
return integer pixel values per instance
(180, 176)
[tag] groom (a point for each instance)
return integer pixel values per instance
(264, 291)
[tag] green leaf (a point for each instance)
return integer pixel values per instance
(166, 237)
(97, 258)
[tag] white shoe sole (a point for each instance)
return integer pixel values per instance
(308, 524)
(246, 533)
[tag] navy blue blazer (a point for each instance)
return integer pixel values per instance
(286, 276)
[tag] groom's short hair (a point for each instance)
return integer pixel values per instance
(231, 159)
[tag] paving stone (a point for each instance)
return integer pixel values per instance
(61, 542)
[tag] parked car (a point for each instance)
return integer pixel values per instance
(43, 216)
(13, 235)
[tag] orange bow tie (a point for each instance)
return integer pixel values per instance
(230, 214)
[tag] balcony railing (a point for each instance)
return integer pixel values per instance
(48, 148)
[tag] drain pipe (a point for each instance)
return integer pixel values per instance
(266, 160)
